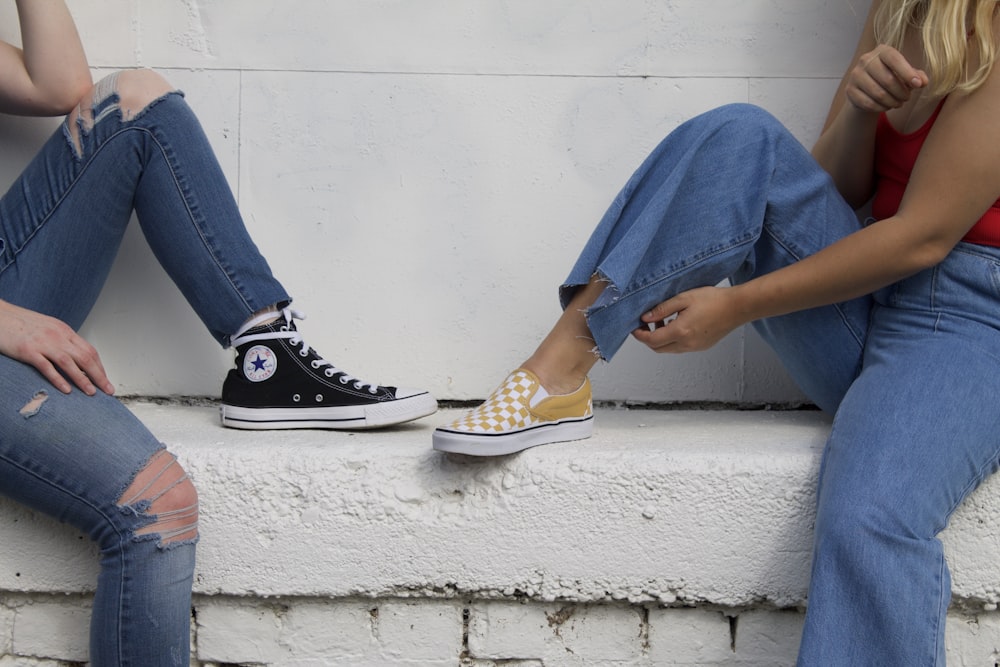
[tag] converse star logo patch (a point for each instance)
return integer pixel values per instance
(259, 363)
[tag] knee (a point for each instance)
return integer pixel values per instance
(163, 494)
(741, 120)
(852, 521)
(135, 90)
(741, 112)
(138, 88)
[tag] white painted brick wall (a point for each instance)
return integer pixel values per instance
(602, 634)
(765, 637)
(311, 632)
(23, 661)
(52, 627)
(973, 640)
(690, 636)
(419, 632)
(6, 626)
(425, 632)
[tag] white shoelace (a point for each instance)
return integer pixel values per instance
(295, 339)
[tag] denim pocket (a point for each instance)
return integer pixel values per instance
(992, 268)
(967, 284)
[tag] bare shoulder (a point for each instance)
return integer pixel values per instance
(957, 175)
(969, 121)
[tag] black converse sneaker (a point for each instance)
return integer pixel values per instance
(280, 382)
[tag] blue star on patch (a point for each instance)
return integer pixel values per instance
(258, 363)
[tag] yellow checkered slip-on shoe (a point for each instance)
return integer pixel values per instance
(518, 415)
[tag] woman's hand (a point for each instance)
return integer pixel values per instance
(882, 79)
(51, 346)
(691, 321)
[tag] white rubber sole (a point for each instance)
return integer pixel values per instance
(346, 418)
(486, 444)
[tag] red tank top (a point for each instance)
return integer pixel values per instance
(895, 155)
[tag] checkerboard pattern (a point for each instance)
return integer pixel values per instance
(507, 409)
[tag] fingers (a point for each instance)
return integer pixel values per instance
(49, 372)
(81, 363)
(677, 336)
(657, 339)
(903, 71)
(672, 337)
(667, 310)
(67, 358)
(883, 79)
(658, 334)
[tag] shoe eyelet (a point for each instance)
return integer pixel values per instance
(315, 364)
(296, 398)
(319, 398)
(303, 352)
(328, 372)
(343, 380)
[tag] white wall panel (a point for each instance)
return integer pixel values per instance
(422, 174)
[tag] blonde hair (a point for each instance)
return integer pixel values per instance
(957, 35)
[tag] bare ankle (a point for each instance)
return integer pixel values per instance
(556, 381)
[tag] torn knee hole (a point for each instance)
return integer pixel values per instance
(32, 407)
(79, 121)
(127, 93)
(137, 89)
(163, 492)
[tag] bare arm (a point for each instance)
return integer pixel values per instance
(50, 74)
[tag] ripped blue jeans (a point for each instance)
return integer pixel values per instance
(87, 460)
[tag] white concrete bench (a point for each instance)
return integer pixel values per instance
(640, 546)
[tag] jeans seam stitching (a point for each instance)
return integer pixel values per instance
(192, 219)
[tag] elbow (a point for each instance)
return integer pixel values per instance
(80, 87)
(58, 98)
(69, 95)
(930, 254)
(920, 243)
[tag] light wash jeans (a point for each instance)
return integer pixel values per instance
(61, 224)
(911, 373)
